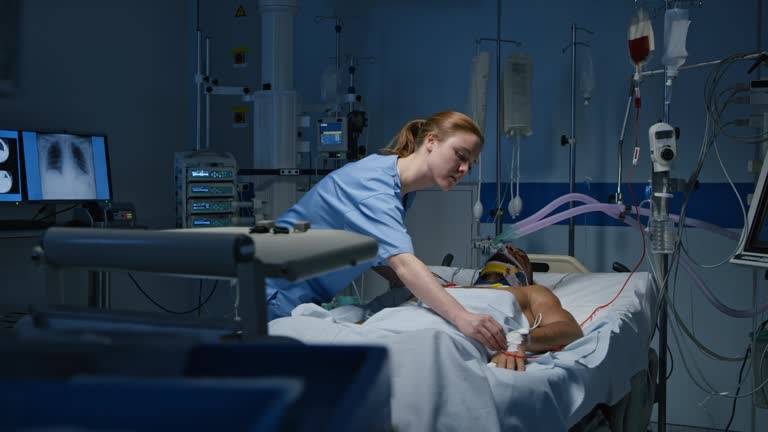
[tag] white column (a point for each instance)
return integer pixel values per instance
(277, 42)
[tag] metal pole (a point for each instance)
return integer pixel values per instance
(754, 343)
(572, 140)
(207, 94)
(661, 393)
(198, 89)
(338, 28)
(759, 152)
(499, 217)
(661, 390)
(338, 44)
(619, 197)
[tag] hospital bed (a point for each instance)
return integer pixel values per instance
(441, 380)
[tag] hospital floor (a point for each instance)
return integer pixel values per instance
(683, 428)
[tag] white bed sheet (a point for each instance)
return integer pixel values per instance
(441, 380)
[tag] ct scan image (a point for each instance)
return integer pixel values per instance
(66, 167)
(6, 182)
(9, 167)
(5, 150)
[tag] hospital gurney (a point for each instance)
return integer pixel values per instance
(229, 253)
(612, 366)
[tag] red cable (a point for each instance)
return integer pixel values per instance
(639, 223)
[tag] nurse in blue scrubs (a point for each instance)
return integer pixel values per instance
(367, 197)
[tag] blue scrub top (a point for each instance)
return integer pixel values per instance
(362, 197)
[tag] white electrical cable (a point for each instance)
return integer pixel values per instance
(357, 292)
(234, 284)
(743, 213)
(713, 391)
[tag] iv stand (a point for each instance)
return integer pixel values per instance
(498, 212)
(571, 140)
(660, 183)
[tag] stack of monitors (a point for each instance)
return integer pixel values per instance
(53, 167)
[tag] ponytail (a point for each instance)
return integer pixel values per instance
(441, 125)
(404, 144)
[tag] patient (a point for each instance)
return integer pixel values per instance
(509, 269)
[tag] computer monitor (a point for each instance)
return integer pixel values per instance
(66, 167)
(332, 135)
(754, 248)
(10, 166)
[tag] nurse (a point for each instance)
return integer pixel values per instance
(368, 196)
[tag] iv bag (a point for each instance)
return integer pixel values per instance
(478, 88)
(329, 85)
(675, 33)
(640, 38)
(518, 76)
(586, 75)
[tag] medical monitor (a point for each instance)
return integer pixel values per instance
(10, 166)
(754, 249)
(332, 134)
(66, 167)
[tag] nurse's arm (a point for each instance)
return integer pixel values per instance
(417, 277)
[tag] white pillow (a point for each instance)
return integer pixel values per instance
(455, 275)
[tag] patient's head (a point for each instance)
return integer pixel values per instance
(509, 266)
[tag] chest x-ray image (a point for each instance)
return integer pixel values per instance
(66, 167)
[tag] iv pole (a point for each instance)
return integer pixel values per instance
(571, 140)
(660, 187)
(498, 215)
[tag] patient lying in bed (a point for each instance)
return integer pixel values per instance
(551, 326)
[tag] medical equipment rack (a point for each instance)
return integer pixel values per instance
(218, 253)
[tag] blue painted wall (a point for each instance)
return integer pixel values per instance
(126, 68)
(422, 54)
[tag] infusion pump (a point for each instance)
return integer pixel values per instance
(663, 141)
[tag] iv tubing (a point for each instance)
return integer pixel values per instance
(609, 209)
(747, 313)
(555, 204)
(614, 211)
(523, 227)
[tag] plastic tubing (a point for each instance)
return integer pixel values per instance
(516, 232)
(746, 313)
(686, 262)
(696, 223)
(555, 204)
(535, 222)
(532, 224)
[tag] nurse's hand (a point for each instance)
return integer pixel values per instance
(484, 329)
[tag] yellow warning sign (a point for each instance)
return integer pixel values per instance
(239, 116)
(240, 12)
(239, 59)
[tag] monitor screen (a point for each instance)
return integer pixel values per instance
(757, 236)
(753, 250)
(332, 134)
(10, 167)
(66, 167)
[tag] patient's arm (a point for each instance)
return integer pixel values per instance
(558, 327)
